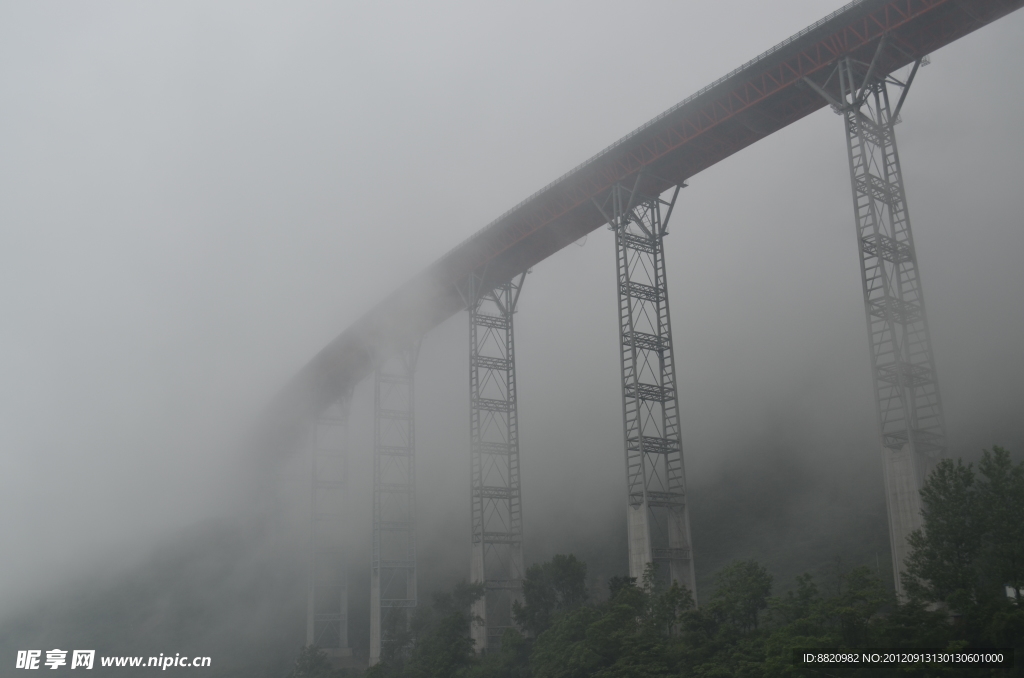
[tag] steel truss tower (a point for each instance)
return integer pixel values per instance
(658, 520)
(327, 607)
(393, 564)
(497, 520)
(910, 416)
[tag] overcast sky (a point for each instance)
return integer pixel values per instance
(196, 197)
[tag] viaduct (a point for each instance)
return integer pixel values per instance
(855, 61)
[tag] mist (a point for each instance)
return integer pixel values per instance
(195, 199)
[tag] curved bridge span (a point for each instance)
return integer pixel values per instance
(760, 97)
(849, 60)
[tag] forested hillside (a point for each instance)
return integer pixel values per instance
(966, 566)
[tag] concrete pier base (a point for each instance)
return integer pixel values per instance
(903, 501)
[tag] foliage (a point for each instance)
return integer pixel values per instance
(441, 645)
(312, 662)
(942, 565)
(970, 550)
(1001, 502)
(549, 588)
(741, 594)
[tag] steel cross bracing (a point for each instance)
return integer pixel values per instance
(731, 113)
(497, 519)
(327, 606)
(910, 416)
(752, 102)
(657, 515)
(393, 559)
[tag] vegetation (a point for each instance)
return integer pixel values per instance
(313, 662)
(967, 558)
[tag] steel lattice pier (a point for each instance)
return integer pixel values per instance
(846, 59)
(497, 521)
(393, 559)
(657, 515)
(327, 605)
(911, 423)
(910, 416)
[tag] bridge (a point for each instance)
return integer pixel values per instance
(861, 61)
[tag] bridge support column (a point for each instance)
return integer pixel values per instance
(393, 559)
(497, 521)
(911, 421)
(658, 520)
(327, 603)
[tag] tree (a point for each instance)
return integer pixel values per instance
(853, 611)
(741, 594)
(312, 662)
(942, 564)
(971, 549)
(441, 644)
(972, 543)
(625, 636)
(1001, 502)
(549, 588)
(511, 661)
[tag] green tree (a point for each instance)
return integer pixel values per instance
(511, 661)
(942, 564)
(741, 594)
(969, 551)
(853, 612)
(549, 588)
(441, 644)
(629, 635)
(312, 662)
(1001, 502)
(972, 544)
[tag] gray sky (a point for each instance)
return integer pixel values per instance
(196, 197)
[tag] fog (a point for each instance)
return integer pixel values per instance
(196, 198)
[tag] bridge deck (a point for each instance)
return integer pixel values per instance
(755, 100)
